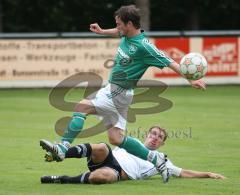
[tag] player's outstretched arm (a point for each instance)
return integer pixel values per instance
(197, 174)
(198, 84)
(109, 32)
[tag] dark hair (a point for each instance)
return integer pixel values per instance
(160, 129)
(129, 13)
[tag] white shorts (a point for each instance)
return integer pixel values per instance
(112, 103)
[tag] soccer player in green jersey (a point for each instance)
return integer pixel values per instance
(135, 54)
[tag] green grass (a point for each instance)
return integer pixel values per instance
(204, 128)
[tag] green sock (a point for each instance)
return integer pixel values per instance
(135, 147)
(74, 127)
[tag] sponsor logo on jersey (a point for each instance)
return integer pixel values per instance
(122, 53)
(124, 58)
(132, 49)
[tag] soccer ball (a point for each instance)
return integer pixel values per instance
(193, 66)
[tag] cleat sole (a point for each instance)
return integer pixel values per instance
(48, 148)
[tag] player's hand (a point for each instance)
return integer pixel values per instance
(216, 176)
(96, 28)
(198, 84)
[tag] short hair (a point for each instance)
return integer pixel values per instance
(129, 13)
(160, 130)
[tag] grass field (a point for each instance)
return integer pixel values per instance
(204, 128)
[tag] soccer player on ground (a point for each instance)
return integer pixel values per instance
(134, 56)
(108, 166)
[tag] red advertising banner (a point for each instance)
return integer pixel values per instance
(175, 48)
(222, 55)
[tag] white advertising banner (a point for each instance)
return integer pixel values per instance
(54, 59)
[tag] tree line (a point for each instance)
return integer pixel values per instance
(157, 15)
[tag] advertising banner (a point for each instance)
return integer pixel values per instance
(222, 55)
(54, 59)
(175, 48)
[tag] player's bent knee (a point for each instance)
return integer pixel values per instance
(103, 176)
(114, 141)
(85, 106)
(102, 148)
(115, 136)
(99, 152)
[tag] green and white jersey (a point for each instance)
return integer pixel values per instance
(133, 58)
(137, 168)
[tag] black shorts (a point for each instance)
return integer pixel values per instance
(110, 162)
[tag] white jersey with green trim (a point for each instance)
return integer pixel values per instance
(137, 168)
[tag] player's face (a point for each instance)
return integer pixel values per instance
(122, 28)
(154, 139)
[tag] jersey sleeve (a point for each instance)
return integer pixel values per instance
(173, 170)
(153, 56)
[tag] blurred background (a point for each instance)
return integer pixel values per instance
(75, 15)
